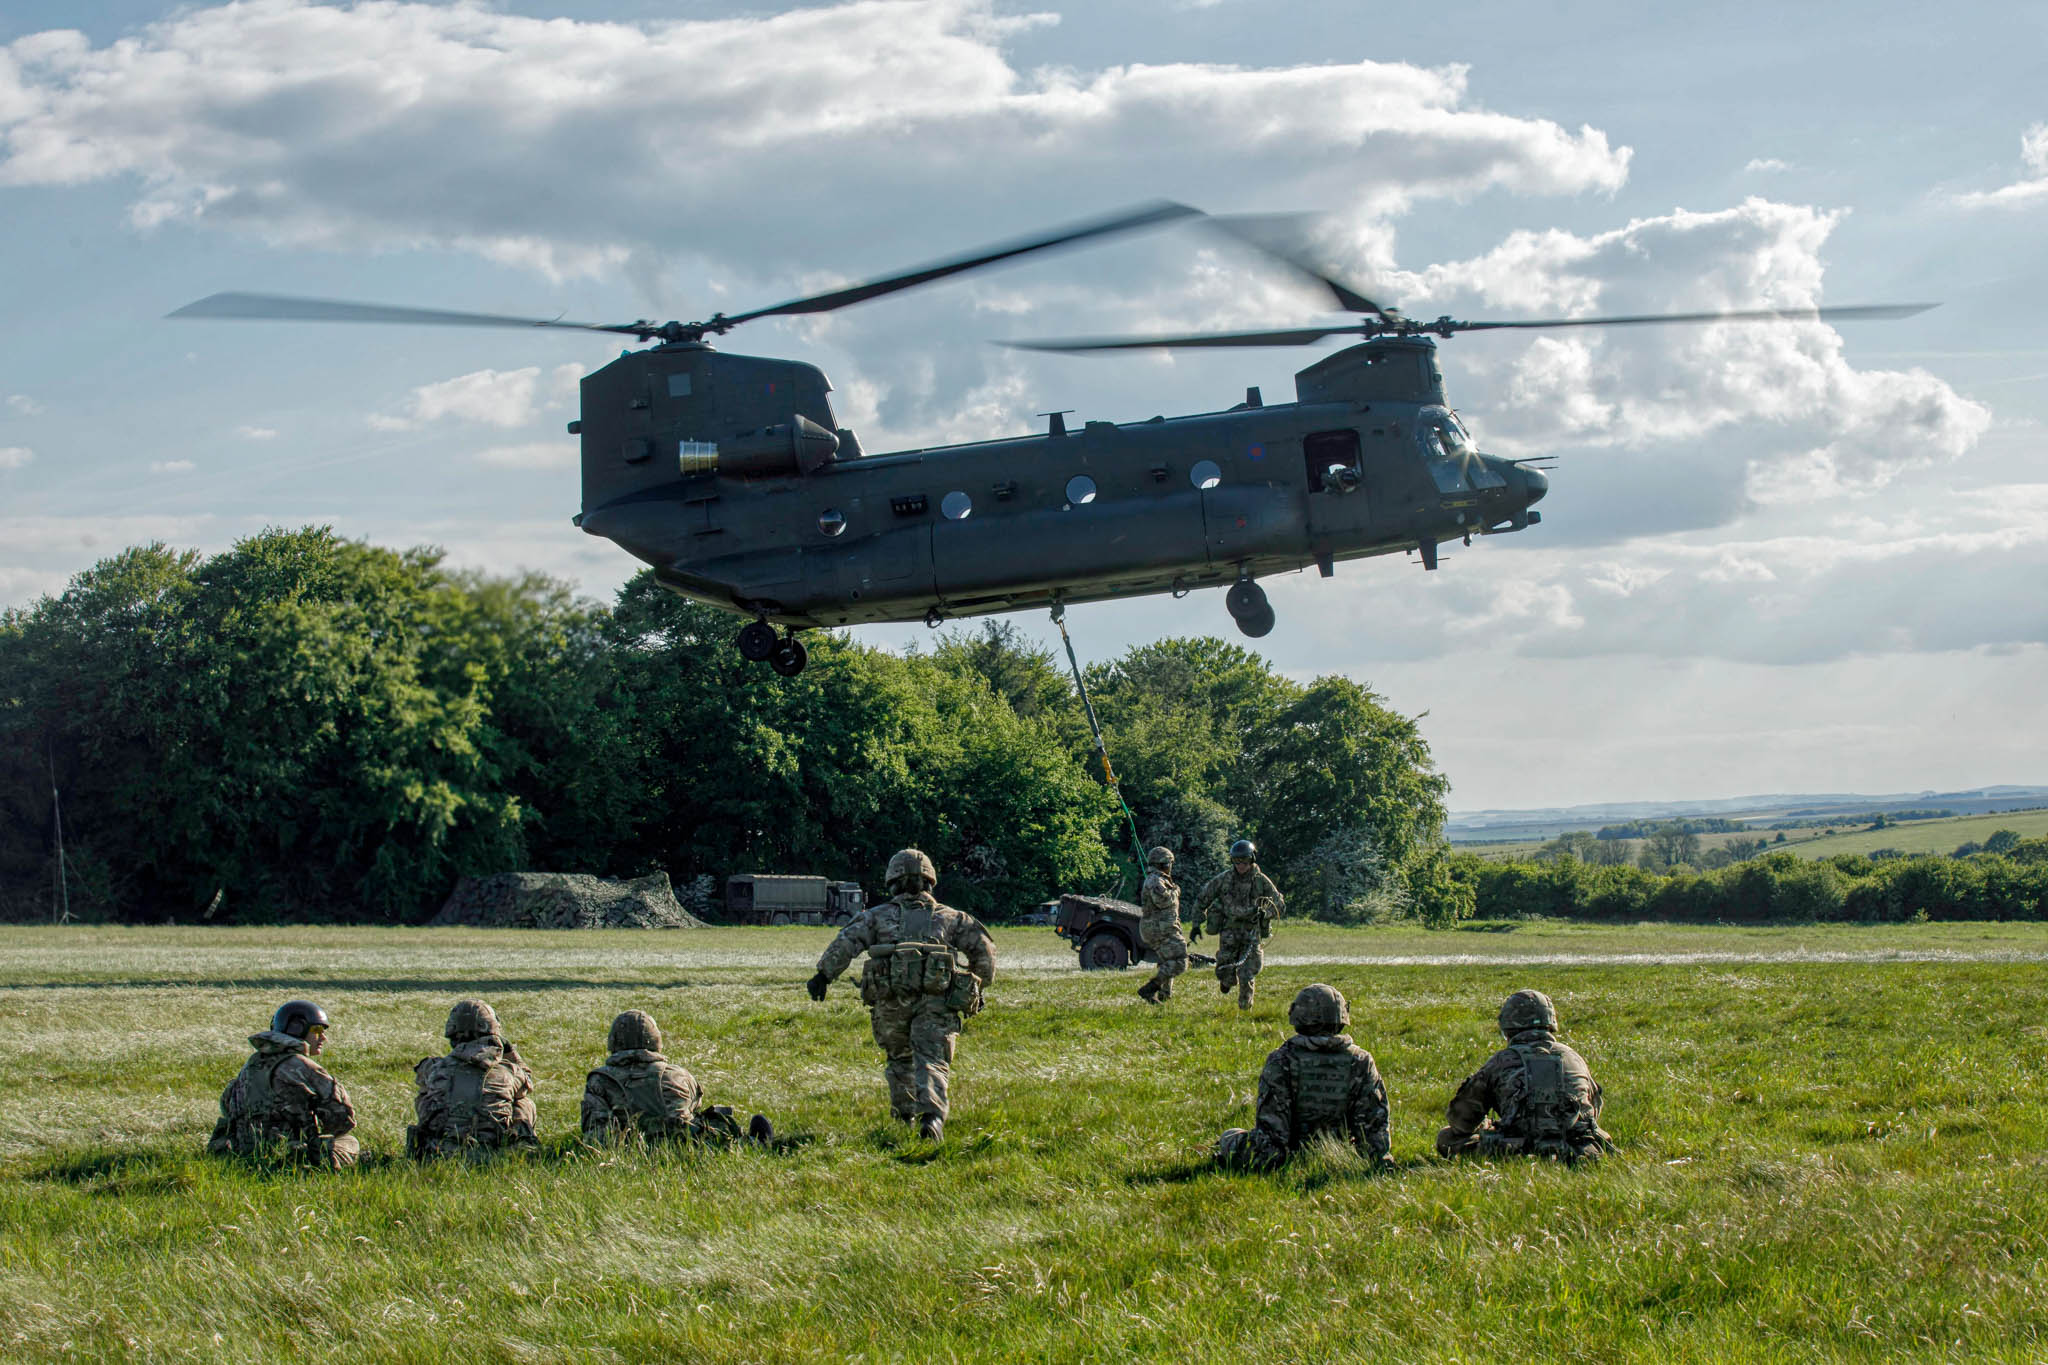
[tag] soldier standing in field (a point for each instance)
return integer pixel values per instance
(1547, 1101)
(1160, 926)
(1318, 1081)
(283, 1102)
(1241, 904)
(478, 1099)
(641, 1091)
(926, 967)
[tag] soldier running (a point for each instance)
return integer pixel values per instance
(283, 1102)
(1318, 1081)
(639, 1090)
(1547, 1100)
(477, 1100)
(1160, 926)
(926, 968)
(1241, 904)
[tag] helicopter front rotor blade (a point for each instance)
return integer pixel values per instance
(1267, 233)
(1852, 313)
(287, 307)
(1300, 336)
(1163, 211)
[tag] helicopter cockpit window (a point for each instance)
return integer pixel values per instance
(1454, 460)
(1205, 474)
(956, 505)
(1080, 490)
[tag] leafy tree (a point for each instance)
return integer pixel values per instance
(2002, 841)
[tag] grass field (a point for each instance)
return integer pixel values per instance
(1831, 1148)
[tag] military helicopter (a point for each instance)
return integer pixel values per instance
(729, 475)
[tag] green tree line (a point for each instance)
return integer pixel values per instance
(1771, 887)
(308, 728)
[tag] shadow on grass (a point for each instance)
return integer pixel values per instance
(453, 985)
(1487, 926)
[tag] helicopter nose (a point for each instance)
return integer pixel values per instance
(1534, 486)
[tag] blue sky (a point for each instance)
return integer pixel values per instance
(1773, 559)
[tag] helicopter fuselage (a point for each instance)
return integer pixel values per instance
(728, 475)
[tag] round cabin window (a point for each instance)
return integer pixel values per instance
(1205, 474)
(1080, 490)
(956, 505)
(831, 521)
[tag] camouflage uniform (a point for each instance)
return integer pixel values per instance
(285, 1102)
(1318, 1081)
(1241, 911)
(914, 984)
(478, 1099)
(1160, 926)
(640, 1090)
(1548, 1102)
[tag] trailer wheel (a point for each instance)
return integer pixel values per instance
(779, 917)
(1105, 950)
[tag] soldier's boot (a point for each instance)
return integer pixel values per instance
(1224, 983)
(1244, 995)
(760, 1129)
(931, 1126)
(1149, 992)
(1165, 993)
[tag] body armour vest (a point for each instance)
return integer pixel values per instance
(916, 965)
(1553, 1100)
(265, 1115)
(657, 1111)
(1322, 1089)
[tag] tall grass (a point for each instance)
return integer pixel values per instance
(1819, 1160)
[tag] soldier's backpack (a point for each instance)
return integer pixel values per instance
(1549, 1110)
(1322, 1089)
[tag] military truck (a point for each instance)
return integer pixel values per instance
(772, 898)
(1104, 931)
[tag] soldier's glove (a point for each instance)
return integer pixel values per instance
(1195, 932)
(817, 984)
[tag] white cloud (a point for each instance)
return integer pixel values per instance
(14, 457)
(24, 405)
(493, 398)
(255, 433)
(317, 125)
(1768, 165)
(2030, 188)
(171, 466)
(531, 455)
(1808, 421)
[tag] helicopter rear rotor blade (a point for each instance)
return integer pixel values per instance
(286, 307)
(1148, 215)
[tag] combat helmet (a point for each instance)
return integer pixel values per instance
(1525, 1010)
(906, 867)
(635, 1030)
(297, 1018)
(1246, 849)
(1161, 858)
(1319, 1010)
(470, 1020)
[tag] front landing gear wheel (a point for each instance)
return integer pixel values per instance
(789, 656)
(1259, 626)
(1247, 605)
(757, 641)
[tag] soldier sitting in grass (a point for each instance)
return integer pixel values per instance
(283, 1103)
(1316, 1082)
(477, 1100)
(638, 1090)
(1547, 1101)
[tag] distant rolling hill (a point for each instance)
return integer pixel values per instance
(1501, 826)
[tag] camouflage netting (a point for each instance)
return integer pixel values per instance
(564, 900)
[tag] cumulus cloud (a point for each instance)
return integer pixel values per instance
(14, 457)
(2030, 188)
(24, 405)
(1809, 422)
(492, 398)
(571, 145)
(1766, 165)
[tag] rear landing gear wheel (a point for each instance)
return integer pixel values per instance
(756, 641)
(1246, 602)
(789, 656)
(1259, 626)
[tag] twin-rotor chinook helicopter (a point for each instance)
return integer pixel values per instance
(729, 475)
